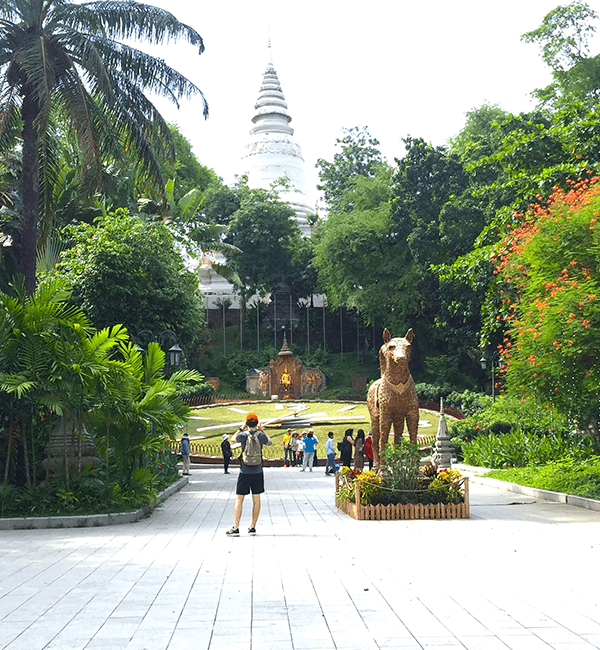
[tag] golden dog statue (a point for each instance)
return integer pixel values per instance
(393, 398)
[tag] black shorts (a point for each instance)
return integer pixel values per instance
(247, 482)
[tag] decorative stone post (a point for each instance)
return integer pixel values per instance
(442, 451)
(69, 445)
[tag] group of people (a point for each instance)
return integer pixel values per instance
(298, 448)
(362, 446)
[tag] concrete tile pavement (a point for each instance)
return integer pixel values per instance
(519, 575)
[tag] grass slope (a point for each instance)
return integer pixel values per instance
(581, 478)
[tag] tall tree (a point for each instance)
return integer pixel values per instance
(264, 231)
(359, 155)
(60, 58)
(563, 37)
(124, 270)
(549, 263)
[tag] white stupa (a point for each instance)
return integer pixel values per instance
(273, 152)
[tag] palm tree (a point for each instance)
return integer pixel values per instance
(64, 63)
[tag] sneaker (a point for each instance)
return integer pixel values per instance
(233, 532)
(251, 531)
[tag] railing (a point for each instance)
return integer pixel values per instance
(205, 400)
(200, 448)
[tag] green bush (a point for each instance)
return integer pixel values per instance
(469, 402)
(520, 449)
(201, 389)
(433, 392)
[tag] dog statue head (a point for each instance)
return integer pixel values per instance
(395, 351)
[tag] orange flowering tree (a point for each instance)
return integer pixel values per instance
(549, 261)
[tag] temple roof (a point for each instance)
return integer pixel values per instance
(273, 152)
(271, 109)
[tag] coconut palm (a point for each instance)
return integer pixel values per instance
(63, 64)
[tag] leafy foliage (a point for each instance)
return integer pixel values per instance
(579, 477)
(549, 262)
(359, 156)
(520, 449)
(123, 270)
(54, 364)
(72, 65)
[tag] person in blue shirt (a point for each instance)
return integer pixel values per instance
(330, 451)
(310, 444)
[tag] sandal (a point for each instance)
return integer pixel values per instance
(233, 532)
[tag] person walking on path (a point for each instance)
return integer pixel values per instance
(359, 450)
(227, 454)
(185, 453)
(330, 451)
(310, 444)
(251, 477)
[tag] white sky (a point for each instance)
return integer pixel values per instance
(398, 67)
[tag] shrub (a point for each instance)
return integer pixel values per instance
(520, 449)
(470, 402)
(433, 392)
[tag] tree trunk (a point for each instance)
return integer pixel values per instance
(9, 451)
(31, 192)
(25, 452)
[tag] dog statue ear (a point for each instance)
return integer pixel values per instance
(410, 335)
(387, 337)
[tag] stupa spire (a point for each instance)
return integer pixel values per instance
(273, 152)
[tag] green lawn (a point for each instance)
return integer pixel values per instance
(355, 418)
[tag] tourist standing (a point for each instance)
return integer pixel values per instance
(359, 450)
(330, 451)
(310, 444)
(185, 453)
(345, 448)
(287, 448)
(300, 444)
(227, 453)
(369, 449)
(315, 459)
(251, 477)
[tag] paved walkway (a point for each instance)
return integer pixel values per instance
(520, 574)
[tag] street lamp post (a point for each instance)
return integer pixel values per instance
(495, 362)
(174, 352)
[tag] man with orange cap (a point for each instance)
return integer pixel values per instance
(251, 477)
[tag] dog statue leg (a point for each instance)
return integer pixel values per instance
(412, 424)
(375, 437)
(398, 428)
(385, 424)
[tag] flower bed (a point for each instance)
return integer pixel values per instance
(358, 510)
(402, 488)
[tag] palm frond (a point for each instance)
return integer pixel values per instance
(126, 19)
